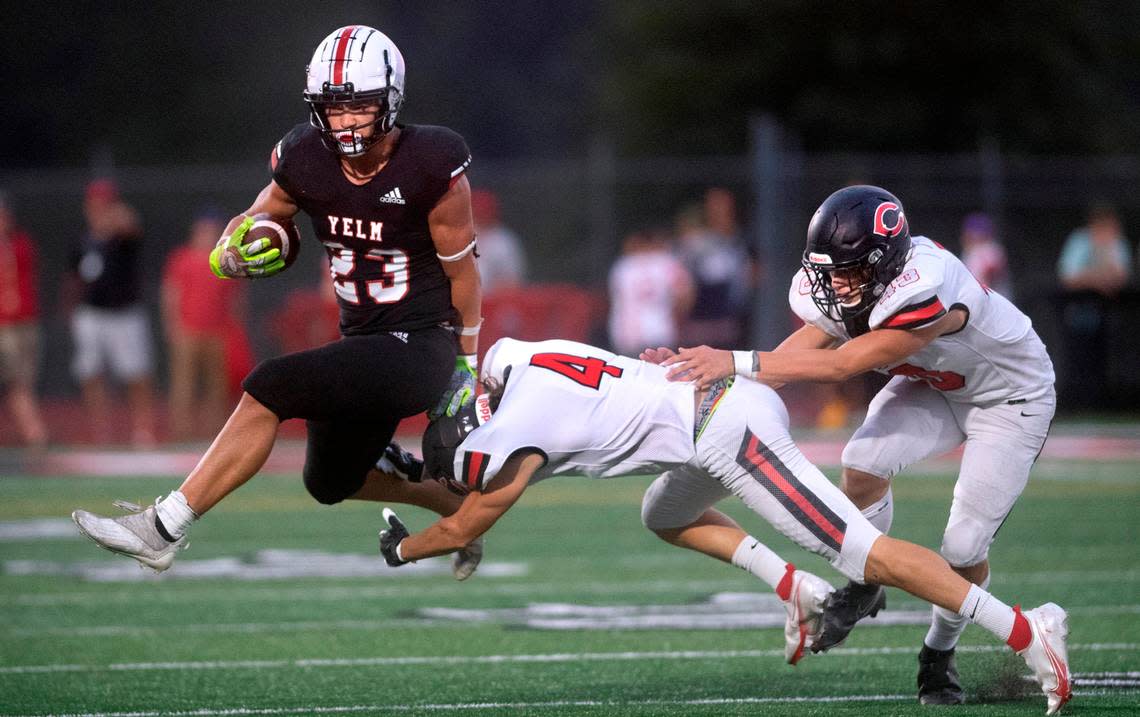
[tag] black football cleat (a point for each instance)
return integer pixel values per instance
(938, 678)
(401, 463)
(847, 606)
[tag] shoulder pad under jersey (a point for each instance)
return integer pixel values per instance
(912, 300)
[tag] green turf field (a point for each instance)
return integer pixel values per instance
(86, 632)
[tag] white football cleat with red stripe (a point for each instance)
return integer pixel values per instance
(804, 595)
(1047, 655)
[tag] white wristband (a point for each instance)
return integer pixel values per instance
(471, 330)
(398, 556)
(471, 359)
(742, 362)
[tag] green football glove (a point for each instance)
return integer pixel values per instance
(460, 389)
(231, 260)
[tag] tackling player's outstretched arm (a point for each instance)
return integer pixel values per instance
(477, 513)
(453, 233)
(872, 350)
(806, 337)
(258, 259)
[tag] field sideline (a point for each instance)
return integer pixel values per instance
(281, 607)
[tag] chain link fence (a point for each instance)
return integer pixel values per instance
(572, 213)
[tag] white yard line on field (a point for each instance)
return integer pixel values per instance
(228, 627)
(253, 593)
(241, 593)
(497, 659)
(432, 621)
(477, 706)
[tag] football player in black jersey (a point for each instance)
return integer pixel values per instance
(392, 206)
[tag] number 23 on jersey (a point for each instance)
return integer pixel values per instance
(388, 288)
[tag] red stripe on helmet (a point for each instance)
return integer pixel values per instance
(340, 58)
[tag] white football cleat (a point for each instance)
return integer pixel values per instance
(134, 535)
(804, 605)
(1047, 655)
(465, 560)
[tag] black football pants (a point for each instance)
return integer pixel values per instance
(352, 393)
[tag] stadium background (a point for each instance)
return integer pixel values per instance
(592, 118)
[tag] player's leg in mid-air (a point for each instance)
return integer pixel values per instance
(357, 461)
(678, 508)
(361, 385)
(747, 447)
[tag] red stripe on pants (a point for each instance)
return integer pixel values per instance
(789, 490)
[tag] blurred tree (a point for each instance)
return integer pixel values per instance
(1053, 76)
(166, 81)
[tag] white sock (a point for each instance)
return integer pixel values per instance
(881, 512)
(175, 514)
(758, 559)
(946, 626)
(987, 611)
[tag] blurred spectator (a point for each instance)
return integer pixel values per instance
(309, 317)
(199, 312)
(109, 326)
(502, 261)
(650, 293)
(721, 269)
(1093, 268)
(1096, 257)
(19, 328)
(984, 255)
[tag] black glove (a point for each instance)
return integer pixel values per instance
(390, 538)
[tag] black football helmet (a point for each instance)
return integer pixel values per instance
(861, 228)
(442, 438)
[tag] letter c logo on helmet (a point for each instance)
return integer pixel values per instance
(881, 227)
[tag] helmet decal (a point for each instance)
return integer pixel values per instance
(483, 408)
(881, 227)
(340, 54)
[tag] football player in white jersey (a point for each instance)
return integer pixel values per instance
(968, 369)
(560, 407)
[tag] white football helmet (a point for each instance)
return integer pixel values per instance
(352, 65)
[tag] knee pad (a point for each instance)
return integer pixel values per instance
(649, 514)
(325, 491)
(863, 455)
(966, 543)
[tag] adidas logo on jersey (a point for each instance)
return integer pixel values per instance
(393, 197)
